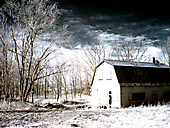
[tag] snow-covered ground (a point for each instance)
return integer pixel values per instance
(133, 117)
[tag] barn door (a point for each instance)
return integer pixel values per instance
(154, 97)
(110, 99)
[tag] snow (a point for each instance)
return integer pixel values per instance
(77, 47)
(121, 118)
(132, 117)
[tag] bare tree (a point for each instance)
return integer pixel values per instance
(129, 51)
(34, 35)
(92, 56)
(8, 70)
(73, 79)
(166, 51)
(125, 51)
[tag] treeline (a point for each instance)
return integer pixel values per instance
(30, 42)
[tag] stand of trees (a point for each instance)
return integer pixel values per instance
(26, 53)
(30, 41)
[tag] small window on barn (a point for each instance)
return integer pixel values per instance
(138, 96)
(101, 75)
(96, 90)
(109, 76)
(166, 96)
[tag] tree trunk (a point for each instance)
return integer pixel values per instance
(45, 91)
(29, 90)
(33, 94)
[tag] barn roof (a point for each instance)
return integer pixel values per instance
(136, 64)
(141, 72)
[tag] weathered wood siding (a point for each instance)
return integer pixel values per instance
(153, 95)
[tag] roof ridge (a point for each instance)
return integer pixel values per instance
(135, 63)
(129, 61)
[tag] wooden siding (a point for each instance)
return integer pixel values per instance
(153, 95)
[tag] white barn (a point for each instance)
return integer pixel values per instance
(117, 84)
(105, 87)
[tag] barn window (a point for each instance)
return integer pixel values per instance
(96, 90)
(138, 96)
(101, 75)
(166, 96)
(110, 76)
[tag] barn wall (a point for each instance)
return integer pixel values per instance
(133, 95)
(105, 82)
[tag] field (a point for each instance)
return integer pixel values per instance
(132, 117)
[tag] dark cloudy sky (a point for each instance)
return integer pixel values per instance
(142, 6)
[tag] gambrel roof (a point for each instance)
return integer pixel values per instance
(140, 72)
